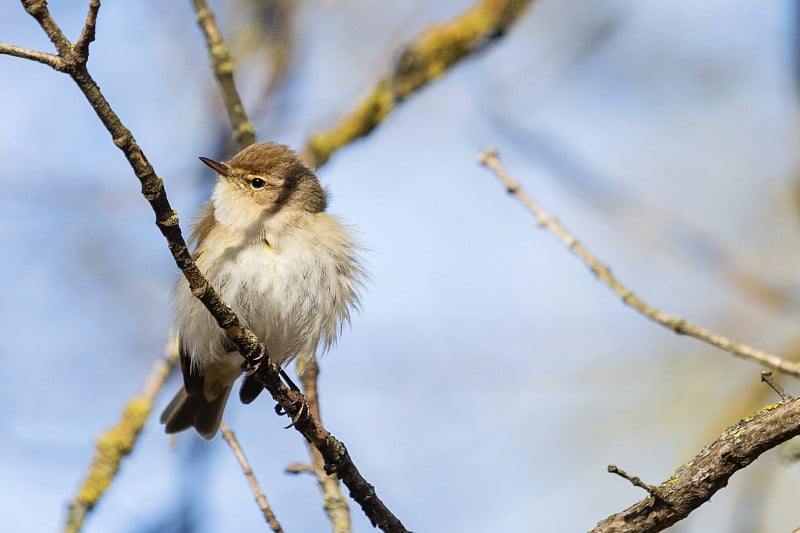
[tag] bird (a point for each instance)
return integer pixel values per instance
(291, 272)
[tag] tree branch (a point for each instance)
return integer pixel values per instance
(42, 57)
(222, 62)
(766, 377)
(491, 160)
(635, 481)
(293, 403)
(87, 34)
(697, 481)
(334, 502)
(117, 442)
(38, 10)
(261, 499)
(422, 61)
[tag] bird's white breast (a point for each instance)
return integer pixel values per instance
(293, 284)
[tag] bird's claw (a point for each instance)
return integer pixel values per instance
(301, 412)
(250, 366)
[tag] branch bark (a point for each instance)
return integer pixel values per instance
(697, 481)
(42, 57)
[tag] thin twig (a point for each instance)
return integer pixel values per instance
(222, 61)
(635, 481)
(422, 61)
(697, 481)
(50, 60)
(490, 159)
(766, 377)
(117, 442)
(337, 459)
(300, 468)
(261, 499)
(334, 502)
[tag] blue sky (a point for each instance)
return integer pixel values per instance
(490, 378)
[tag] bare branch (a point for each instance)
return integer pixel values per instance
(491, 160)
(635, 481)
(42, 57)
(87, 34)
(117, 442)
(222, 61)
(300, 468)
(334, 502)
(422, 61)
(261, 499)
(766, 377)
(38, 10)
(697, 481)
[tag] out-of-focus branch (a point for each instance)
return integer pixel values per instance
(422, 61)
(222, 62)
(491, 160)
(333, 500)
(697, 481)
(293, 403)
(268, 34)
(667, 229)
(230, 437)
(118, 442)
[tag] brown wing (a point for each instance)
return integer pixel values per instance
(203, 226)
(190, 408)
(192, 377)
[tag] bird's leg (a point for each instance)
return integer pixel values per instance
(297, 397)
(289, 383)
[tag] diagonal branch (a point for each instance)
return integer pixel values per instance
(337, 459)
(117, 442)
(422, 61)
(38, 10)
(333, 500)
(222, 61)
(491, 160)
(698, 480)
(230, 437)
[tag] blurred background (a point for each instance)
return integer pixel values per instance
(490, 378)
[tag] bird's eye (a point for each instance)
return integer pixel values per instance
(257, 183)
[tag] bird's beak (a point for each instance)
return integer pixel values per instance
(220, 168)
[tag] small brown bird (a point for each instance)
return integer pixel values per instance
(290, 272)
